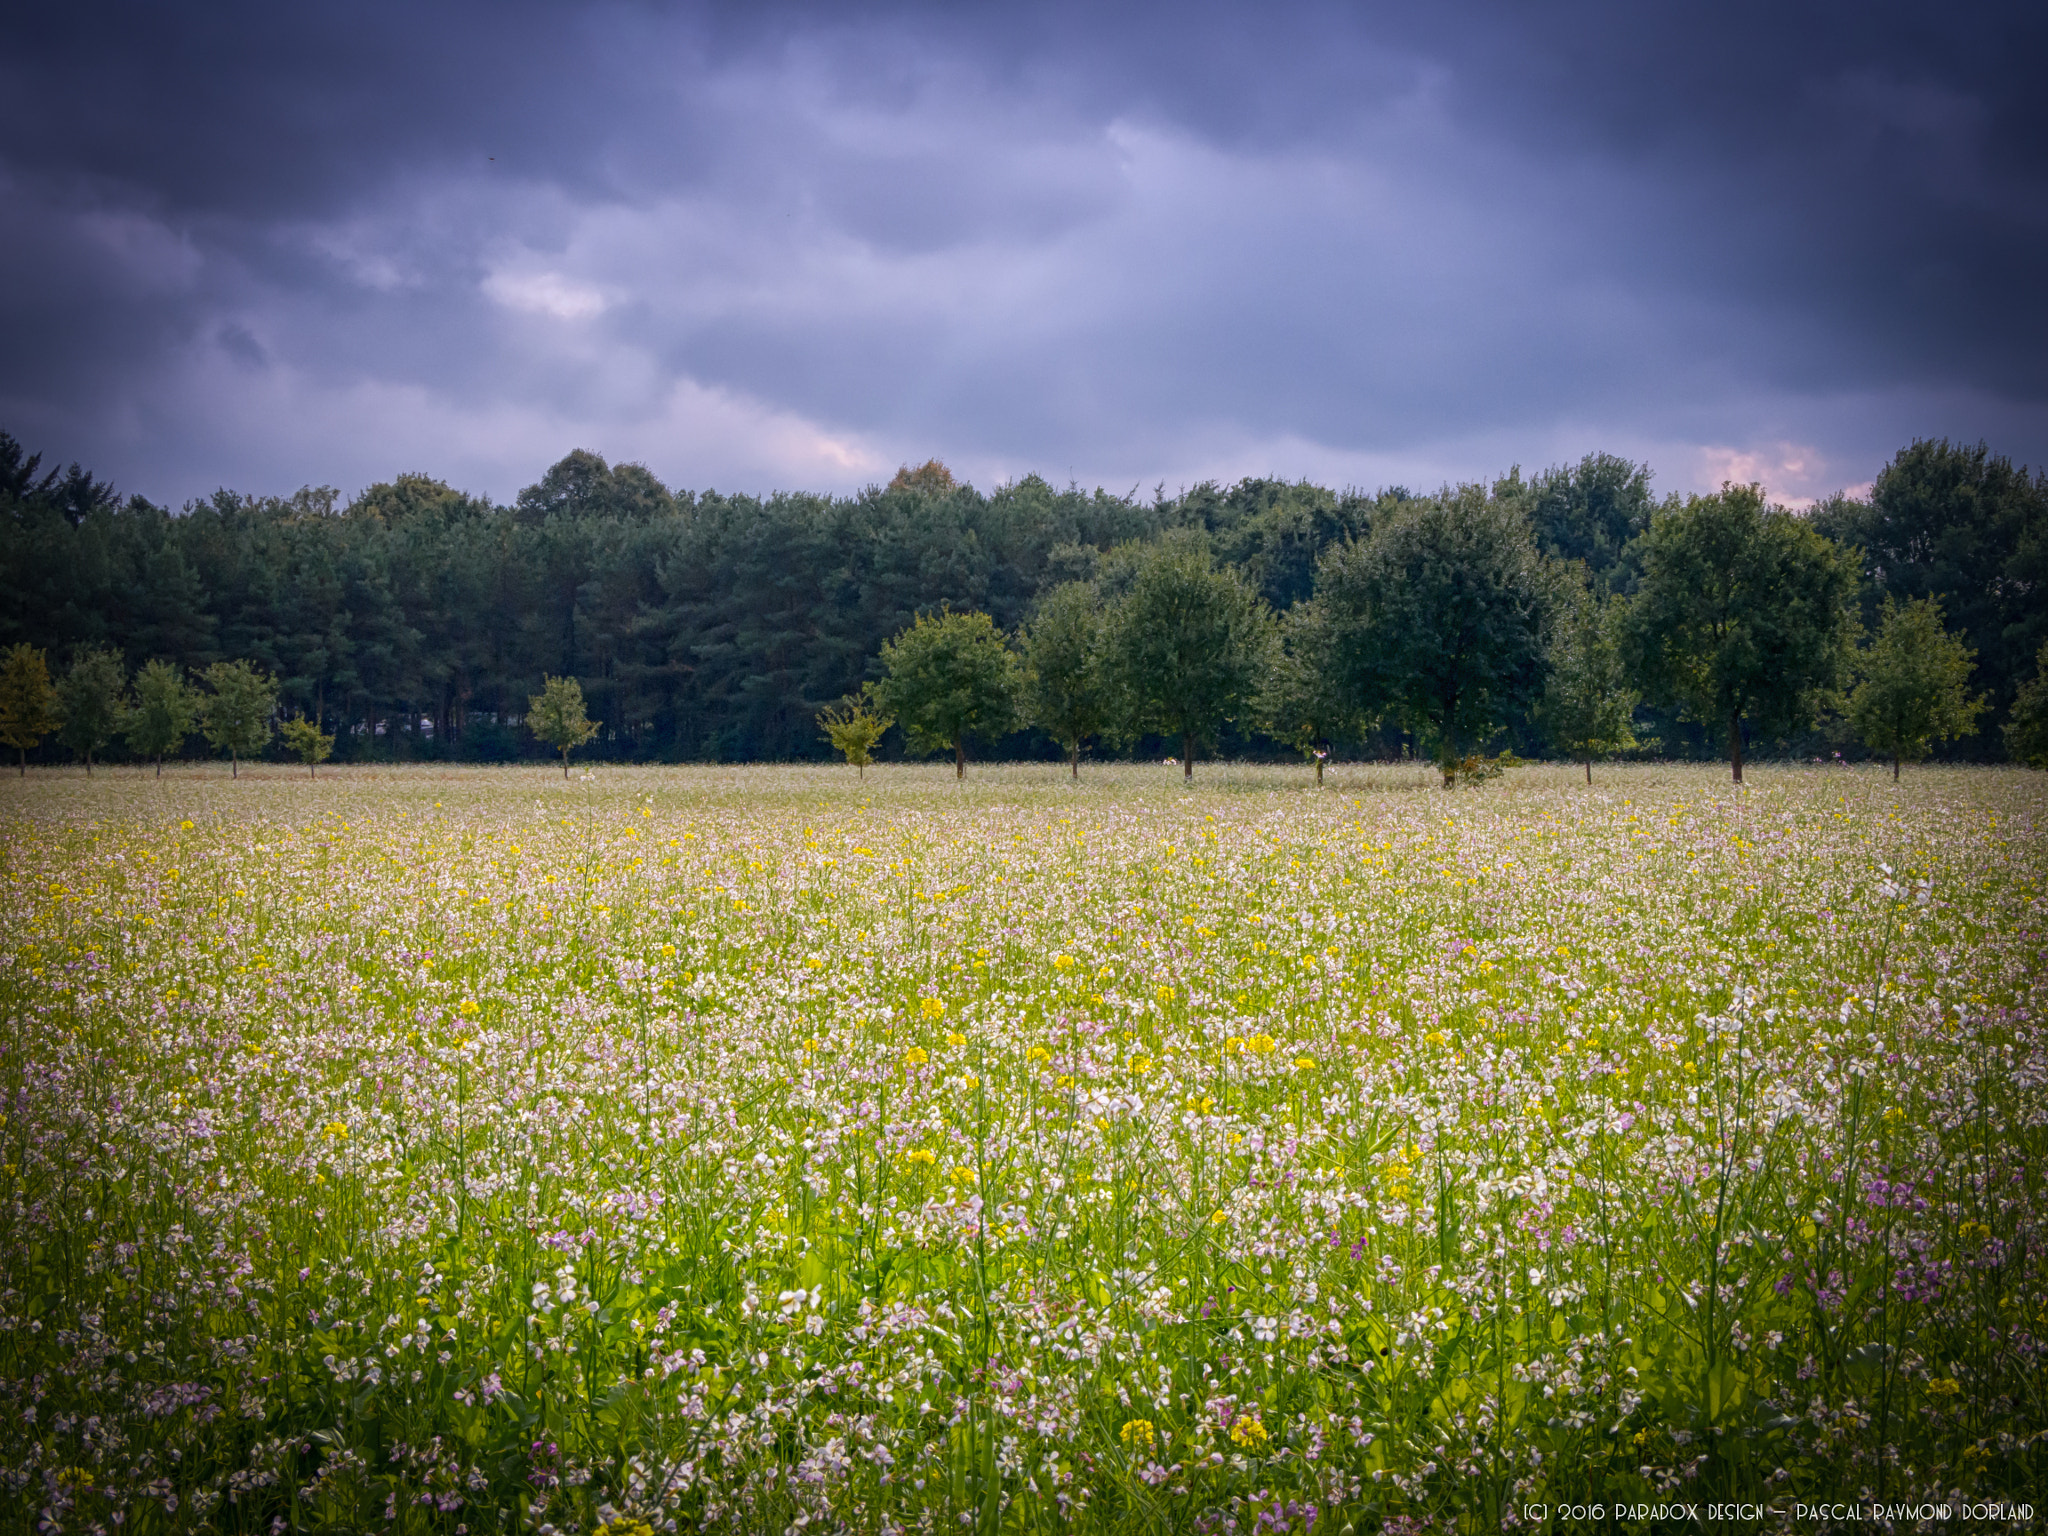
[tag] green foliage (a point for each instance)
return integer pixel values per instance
(91, 702)
(947, 677)
(305, 740)
(235, 714)
(1186, 649)
(1439, 616)
(1587, 704)
(1744, 614)
(1914, 684)
(1967, 526)
(1062, 686)
(163, 714)
(704, 625)
(1591, 512)
(555, 715)
(853, 727)
(2026, 734)
(1302, 701)
(28, 703)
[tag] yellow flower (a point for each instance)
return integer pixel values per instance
(932, 1007)
(1305, 1063)
(1262, 1044)
(1038, 1053)
(185, 826)
(1219, 1219)
(916, 1056)
(956, 1039)
(1137, 1434)
(921, 1156)
(962, 1174)
(1944, 1386)
(1249, 1431)
(1164, 994)
(468, 1007)
(1063, 962)
(337, 1130)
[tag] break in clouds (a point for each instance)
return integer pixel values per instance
(784, 247)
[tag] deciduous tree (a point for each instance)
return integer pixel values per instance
(235, 714)
(1185, 650)
(555, 715)
(1439, 615)
(1587, 703)
(948, 677)
(28, 702)
(91, 702)
(853, 727)
(1744, 615)
(305, 740)
(2026, 733)
(1914, 687)
(162, 716)
(1062, 678)
(1303, 701)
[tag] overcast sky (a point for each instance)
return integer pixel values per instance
(762, 247)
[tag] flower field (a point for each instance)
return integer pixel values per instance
(760, 1149)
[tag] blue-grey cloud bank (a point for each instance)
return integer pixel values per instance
(771, 246)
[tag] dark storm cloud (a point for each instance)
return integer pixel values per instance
(789, 245)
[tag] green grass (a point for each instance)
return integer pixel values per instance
(431, 1150)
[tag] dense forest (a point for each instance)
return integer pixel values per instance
(415, 621)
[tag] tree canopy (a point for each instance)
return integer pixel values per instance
(163, 713)
(949, 677)
(28, 702)
(1439, 618)
(1185, 649)
(1062, 683)
(556, 716)
(235, 711)
(91, 703)
(1744, 615)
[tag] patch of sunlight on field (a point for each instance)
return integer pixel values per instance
(763, 1148)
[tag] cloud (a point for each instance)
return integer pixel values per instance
(545, 293)
(774, 242)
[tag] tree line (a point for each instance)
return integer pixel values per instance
(1572, 613)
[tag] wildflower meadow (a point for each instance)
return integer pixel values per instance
(771, 1149)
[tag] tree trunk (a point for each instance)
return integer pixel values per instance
(88, 765)
(1895, 770)
(234, 765)
(1589, 771)
(1319, 773)
(1074, 762)
(565, 762)
(159, 765)
(1735, 743)
(1187, 755)
(960, 758)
